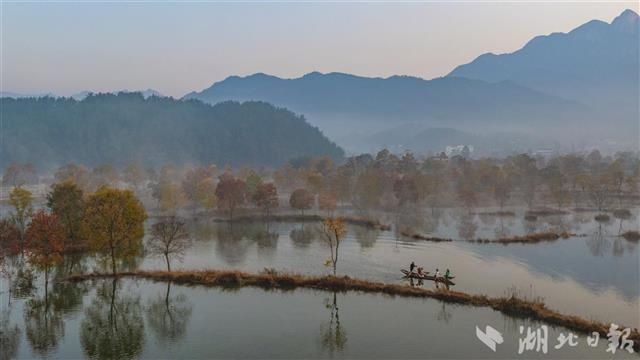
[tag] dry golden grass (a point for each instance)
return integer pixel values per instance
(270, 279)
(525, 239)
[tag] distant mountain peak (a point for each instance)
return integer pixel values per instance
(596, 64)
(628, 21)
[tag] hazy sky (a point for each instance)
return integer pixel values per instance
(175, 48)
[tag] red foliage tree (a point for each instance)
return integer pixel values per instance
(301, 199)
(45, 242)
(266, 197)
(231, 193)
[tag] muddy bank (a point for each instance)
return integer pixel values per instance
(532, 238)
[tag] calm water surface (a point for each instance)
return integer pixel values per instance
(598, 269)
(595, 275)
(131, 319)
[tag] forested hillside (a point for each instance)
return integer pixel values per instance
(121, 128)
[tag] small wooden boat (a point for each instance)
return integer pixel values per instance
(426, 276)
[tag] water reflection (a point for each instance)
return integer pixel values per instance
(113, 327)
(365, 236)
(168, 316)
(21, 282)
(9, 336)
(598, 243)
(467, 226)
(444, 314)
(44, 326)
(303, 236)
(333, 337)
(503, 226)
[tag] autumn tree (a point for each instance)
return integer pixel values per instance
(114, 224)
(9, 240)
(286, 177)
(207, 193)
(616, 177)
(66, 201)
(230, 193)
(502, 187)
(405, 189)
(76, 174)
(169, 238)
(45, 242)
(334, 230)
(314, 181)
(555, 182)
(341, 183)
(135, 175)
(597, 186)
(104, 175)
(301, 199)
(327, 202)
(252, 181)
(21, 201)
(168, 195)
(265, 197)
(192, 185)
(527, 176)
(370, 187)
(17, 174)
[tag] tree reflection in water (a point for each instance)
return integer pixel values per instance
(333, 337)
(168, 316)
(365, 236)
(21, 281)
(467, 226)
(44, 326)
(501, 231)
(113, 326)
(303, 236)
(9, 336)
(267, 240)
(598, 243)
(232, 243)
(530, 225)
(444, 314)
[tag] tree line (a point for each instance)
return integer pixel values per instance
(385, 181)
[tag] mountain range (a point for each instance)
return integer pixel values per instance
(563, 91)
(562, 87)
(597, 63)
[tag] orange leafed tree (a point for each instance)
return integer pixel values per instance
(334, 230)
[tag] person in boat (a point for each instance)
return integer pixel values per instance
(438, 275)
(447, 274)
(420, 271)
(411, 267)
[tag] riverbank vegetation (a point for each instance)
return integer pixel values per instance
(531, 238)
(511, 304)
(384, 182)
